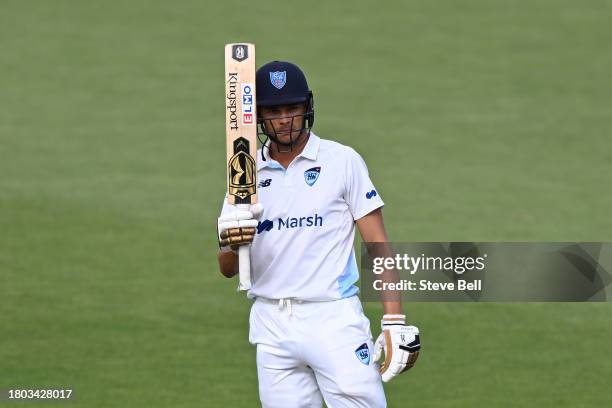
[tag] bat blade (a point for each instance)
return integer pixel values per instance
(241, 137)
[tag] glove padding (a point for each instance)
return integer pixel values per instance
(400, 343)
(238, 226)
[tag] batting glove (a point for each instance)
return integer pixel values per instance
(400, 344)
(238, 226)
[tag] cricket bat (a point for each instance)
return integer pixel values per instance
(241, 138)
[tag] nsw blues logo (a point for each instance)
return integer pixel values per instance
(278, 79)
(312, 175)
(363, 353)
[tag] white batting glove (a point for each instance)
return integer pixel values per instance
(400, 343)
(238, 227)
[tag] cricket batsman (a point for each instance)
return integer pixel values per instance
(313, 340)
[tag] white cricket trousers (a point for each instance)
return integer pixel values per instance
(308, 352)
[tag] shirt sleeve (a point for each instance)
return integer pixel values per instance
(360, 193)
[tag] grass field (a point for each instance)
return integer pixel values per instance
(479, 120)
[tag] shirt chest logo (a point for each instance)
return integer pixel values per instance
(265, 183)
(288, 223)
(312, 175)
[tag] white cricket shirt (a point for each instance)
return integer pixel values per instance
(303, 248)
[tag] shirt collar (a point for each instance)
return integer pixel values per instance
(312, 147)
(309, 152)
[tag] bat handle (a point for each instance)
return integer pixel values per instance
(244, 267)
(244, 262)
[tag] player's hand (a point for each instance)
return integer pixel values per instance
(400, 343)
(238, 227)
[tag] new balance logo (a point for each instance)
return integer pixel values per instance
(265, 183)
(371, 194)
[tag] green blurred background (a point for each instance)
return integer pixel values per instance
(479, 120)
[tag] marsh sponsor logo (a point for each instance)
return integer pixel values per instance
(263, 226)
(290, 223)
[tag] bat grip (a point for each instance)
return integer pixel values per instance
(244, 262)
(244, 267)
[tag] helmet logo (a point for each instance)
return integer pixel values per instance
(278, 79)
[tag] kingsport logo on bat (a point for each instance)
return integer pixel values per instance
(289, 223)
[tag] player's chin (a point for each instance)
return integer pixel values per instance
(287, 138)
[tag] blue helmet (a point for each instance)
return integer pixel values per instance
(283, 83)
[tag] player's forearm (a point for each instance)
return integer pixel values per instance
(228, 263)
(390, 299)
(374, 235)
(392, 307)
